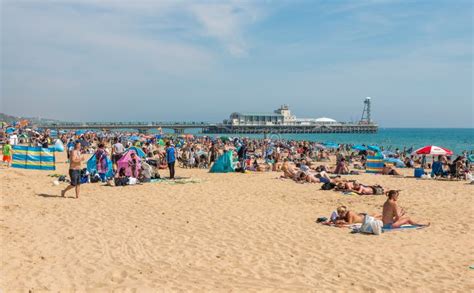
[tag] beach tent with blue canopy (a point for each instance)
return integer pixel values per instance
(223, 164)
(10, 130)
(58, 146)
(138, 151)
(92, 166)
(359, 147)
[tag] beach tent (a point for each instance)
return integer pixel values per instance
(374, 164)
(125, 161)
(58, 146)
(223, 164)
(138, 151)
(92, 166)
(10, 130)
(36, 158)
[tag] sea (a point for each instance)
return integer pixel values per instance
(455, 139)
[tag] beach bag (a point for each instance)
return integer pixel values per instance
(370, 225)
(378, 190)
(328, 186)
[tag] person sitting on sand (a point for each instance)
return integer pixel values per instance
(392, 215)
(341, 167)
(289, 171)
(121, 178)
(389, 170)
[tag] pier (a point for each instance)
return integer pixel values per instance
(280, 121)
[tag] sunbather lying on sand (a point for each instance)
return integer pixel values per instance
(393, 216)
(362, 189)
(347, 217)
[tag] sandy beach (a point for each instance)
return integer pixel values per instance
(229, 232)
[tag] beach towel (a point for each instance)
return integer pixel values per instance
(176, 181)
(36, 158)
(374, 164)
(404, 227)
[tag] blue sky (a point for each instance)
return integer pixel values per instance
(91, 60)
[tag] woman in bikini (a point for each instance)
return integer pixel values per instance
(393, 216)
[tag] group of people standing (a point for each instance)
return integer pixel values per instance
(76, 157)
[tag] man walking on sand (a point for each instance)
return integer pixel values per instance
(74, 170)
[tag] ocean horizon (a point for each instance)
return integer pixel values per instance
(455, 139)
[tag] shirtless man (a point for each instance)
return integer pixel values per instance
(74, 170)
(361, 189)
(393, 216)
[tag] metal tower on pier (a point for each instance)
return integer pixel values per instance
(366, 112)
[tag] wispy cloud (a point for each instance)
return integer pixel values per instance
(227, 23)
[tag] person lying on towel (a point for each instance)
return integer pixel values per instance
(343, 216)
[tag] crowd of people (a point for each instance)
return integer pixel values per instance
(301, 161)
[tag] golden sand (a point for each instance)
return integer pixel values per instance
(230, 232)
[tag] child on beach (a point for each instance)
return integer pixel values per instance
(7, 154)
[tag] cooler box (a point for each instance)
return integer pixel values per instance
(419, 172)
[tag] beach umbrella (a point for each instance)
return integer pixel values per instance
(224, 138)
(134, 137)
(470, 158)
(397, 162)
(359, 147)
(10, 130)
(161, 142)
(433, 150)
(374, 148)
(388, 153)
